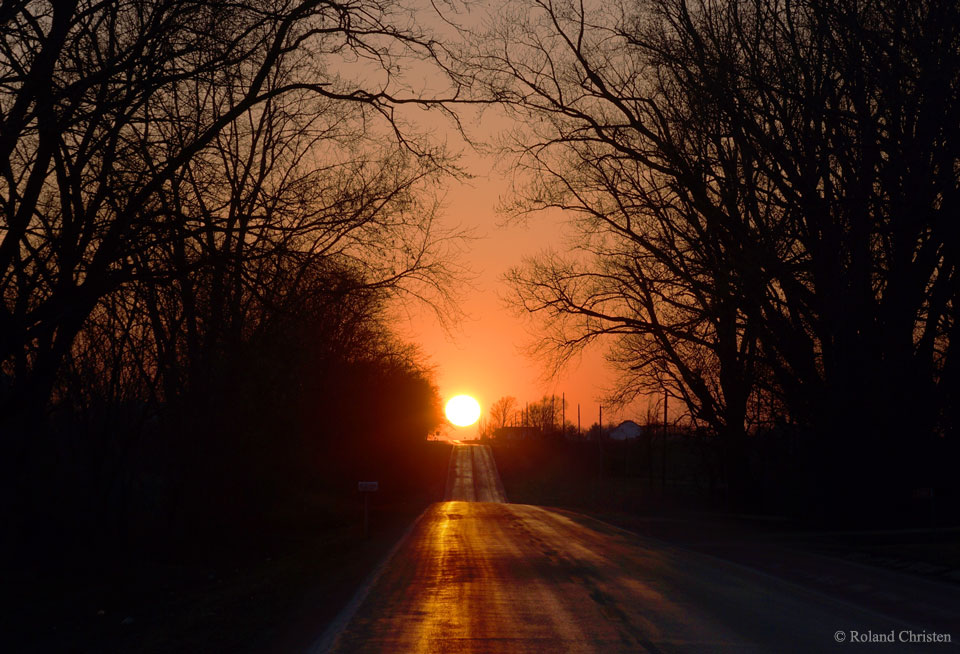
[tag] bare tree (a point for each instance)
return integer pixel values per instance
(108, 108)
(206, 208)
(837, 137)
(605, 141)
(545, 414)
(760, 189)
(502, 411)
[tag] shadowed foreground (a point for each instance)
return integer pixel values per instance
(493, 577)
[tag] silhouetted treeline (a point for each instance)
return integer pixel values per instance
(204, 220)
(766, 194)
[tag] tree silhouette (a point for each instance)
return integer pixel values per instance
(762, 192)
(502, 412)
(115, 116)
(206, 208)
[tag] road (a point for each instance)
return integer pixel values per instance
(473, 475)
(478, 575)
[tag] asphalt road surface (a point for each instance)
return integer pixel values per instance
(478, 575)
(473, 475)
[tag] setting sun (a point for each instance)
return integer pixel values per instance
(463, 410)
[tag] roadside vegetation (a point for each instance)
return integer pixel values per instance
(680, 500)
(763, 197)
(208, 212)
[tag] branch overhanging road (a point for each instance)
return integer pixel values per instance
(475, 574)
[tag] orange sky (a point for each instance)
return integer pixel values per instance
(483, 355)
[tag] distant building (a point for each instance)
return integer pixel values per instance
(626, 430)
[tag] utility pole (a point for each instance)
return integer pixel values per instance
(563, 410)
(600, 439)
(663, 458)
(553, 415)
(648, 437)
(578, 420)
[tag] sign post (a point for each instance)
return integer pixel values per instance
(367, 487)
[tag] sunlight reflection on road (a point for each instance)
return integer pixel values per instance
(473, 475)
(511, 578)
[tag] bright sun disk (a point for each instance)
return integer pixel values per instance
(462, 410)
